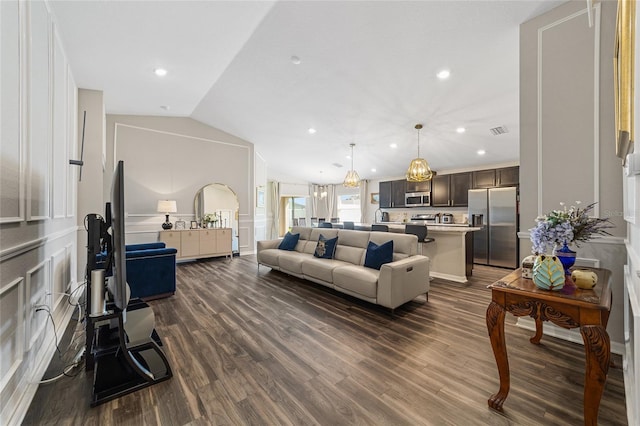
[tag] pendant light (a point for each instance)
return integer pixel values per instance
(419, 170)
(352, 180)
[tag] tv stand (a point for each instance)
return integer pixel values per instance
(127, 354)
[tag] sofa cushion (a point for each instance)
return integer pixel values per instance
(270, 256)
(352, 246)
(377, 255)
(326, 247)
(357, 279)
(292, 261)
(289, 241)
(320, 269)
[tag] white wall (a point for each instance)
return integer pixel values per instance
(38, 198)
(567, 150)
(172, 158)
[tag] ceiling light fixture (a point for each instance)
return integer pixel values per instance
(323, 191)
(311, 130)
(394, 145)
(444, 74)
(160, 72)
(352, 180)
(461, 130)
(295, 60)
(419, 170)
(481, 152)
(373, 170)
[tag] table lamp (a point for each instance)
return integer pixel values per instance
(166, 207)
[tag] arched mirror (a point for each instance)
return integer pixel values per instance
(219, 199)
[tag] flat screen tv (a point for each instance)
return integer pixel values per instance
(118, 286)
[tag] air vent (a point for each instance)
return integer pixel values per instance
(338, 165)
(499, 130)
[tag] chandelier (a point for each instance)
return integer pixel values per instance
(419, 170)
(352, 180)
(323, 191)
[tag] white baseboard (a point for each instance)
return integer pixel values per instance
(456, 278)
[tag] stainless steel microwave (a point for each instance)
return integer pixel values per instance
(417, 199)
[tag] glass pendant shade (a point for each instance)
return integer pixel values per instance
(419, 170)
(352, 180)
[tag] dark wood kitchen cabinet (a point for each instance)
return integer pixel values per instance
(440, 195)
(484, 179)
(398, 189)
(508, 176)
(459, 187)
(419, 186)
(385, 194)
(392, 193)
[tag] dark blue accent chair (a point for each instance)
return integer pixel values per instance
(151, 270)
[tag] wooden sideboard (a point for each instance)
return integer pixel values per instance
(199, 243)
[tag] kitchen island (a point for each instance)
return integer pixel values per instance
(451, 252)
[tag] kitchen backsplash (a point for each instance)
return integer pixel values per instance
(460, 214)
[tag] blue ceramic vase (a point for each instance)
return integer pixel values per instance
(567, 257)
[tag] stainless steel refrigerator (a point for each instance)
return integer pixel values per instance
(495, 210)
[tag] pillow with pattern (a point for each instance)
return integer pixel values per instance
(326, 248)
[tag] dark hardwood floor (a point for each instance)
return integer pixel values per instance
(249, 347)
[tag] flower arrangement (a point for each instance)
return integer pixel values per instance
(210, 217)
(567, 226)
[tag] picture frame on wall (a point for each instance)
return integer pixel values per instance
(375, 198)
(260, 196)
(194, 224)
(181, 224)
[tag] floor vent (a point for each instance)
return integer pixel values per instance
(499, 130)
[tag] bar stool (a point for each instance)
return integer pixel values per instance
(348, 225)
(419, 231)
(325, 225)
(381, 228)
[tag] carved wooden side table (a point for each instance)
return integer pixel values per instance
(587, 309)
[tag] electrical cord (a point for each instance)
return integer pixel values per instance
(77, 359)
(55, 333)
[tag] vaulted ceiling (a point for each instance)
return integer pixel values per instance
(357, 72)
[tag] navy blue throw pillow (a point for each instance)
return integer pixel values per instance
(289, 241)
(377, 255)
(326, 248)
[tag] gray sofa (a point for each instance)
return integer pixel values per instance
(396, 283)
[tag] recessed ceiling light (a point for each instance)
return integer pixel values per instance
(348, 157)
(481, 152)
(461, 130)
(394, 145)
(165, 107)
(295, 60)
(444, 74)
(311, 130)
(373, 170)
(160, 72)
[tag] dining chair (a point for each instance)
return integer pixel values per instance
(380, 228)
(325, 225)
(348, 225)
(302, 221)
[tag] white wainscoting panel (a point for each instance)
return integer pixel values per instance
(39, 140)
(38, 289)
(11, 150)
(59, 112)
(12, 330)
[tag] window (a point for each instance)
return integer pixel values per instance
(349, 207)
(294, 208)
